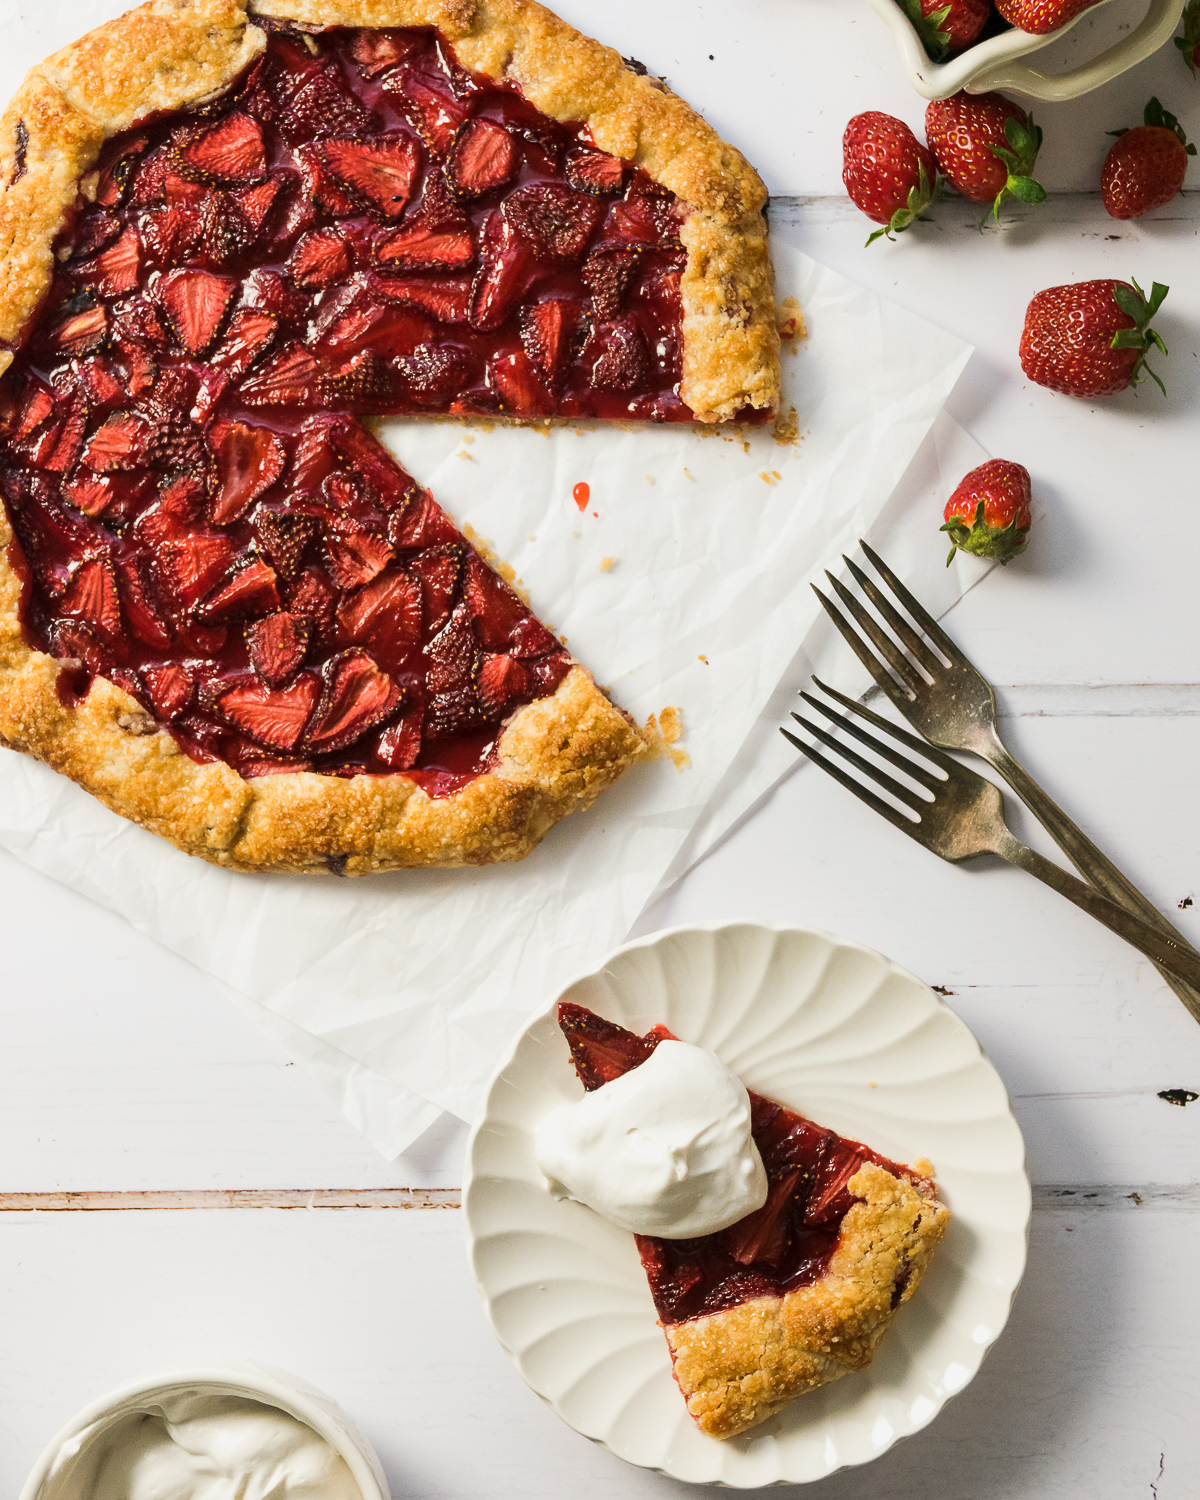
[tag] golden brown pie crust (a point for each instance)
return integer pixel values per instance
(738, 1367)
(555, 755)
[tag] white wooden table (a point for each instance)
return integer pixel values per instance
(168, 1184)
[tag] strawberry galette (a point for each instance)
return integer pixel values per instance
(226, 611)
(801, 1291)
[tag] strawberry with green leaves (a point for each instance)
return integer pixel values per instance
(988, 514)
(947, 27)
(986, 146)
(1146, 166)
(1092, 338)
(887, 172)
(1189, 42)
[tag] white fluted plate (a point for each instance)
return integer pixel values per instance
(829, 1028)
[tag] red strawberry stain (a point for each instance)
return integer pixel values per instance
(581, 494)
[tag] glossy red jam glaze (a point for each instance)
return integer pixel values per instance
(359, 227)
(783, 1245)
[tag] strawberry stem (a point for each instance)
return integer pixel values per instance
(929, 29)
(1024, 143)
(1133, 303)
(919, 199)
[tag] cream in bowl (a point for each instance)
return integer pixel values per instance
(240, 1433)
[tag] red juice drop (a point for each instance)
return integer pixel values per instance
(581, 494)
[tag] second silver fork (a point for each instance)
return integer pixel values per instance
(945, 698)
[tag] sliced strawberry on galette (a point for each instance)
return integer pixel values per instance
(228, 613)
(801, 1291)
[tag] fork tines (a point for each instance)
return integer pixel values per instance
(917, 770)
(905, 677)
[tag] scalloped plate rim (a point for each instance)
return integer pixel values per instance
(483, 1118)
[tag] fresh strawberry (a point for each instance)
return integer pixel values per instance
(988, 514)
(438, 569)
(232, 151)
(291, 377)
(191, 565)
(447, 300)
(274, 717)
(1146, 166)
(82, 331)
(283, 538)
(195, 303)
(320, 259)
(277, 644)
(485, 157)
(437, 115)
(92, 596)
(947, 27)
(616, 356)
(119, 444)
(248, 335)
(518, 383)
(169, 688)
(114, 270)
(386, 616)
(546, 330)
(1092, 338)
(400, 743)
(501, 682)
(420, 523)
(355, 557)
(381, 172)
(887, 172)
(1189, 42)
(595, 172)
(1040, 16)
(418, 247)
(356, 697)
(375, 50)
(555, 221)
(986, 146)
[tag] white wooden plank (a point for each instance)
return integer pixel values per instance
(1089, 1391)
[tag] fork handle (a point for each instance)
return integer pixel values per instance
(1172, 956)
(1090, 861)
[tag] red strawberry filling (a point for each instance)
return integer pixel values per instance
(785, 1244)
(359, 227)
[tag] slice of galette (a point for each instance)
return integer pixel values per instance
(225, 610)
(801, 1291)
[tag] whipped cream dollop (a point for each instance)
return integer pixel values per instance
(665, 1149)
(208, 1447)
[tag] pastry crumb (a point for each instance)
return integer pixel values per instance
(605, 564)
(689, 473)
(533, 536)
(662, 733)
(471, 456)
(770, 478)
(787, 428)
(468, 438)
(703, 658)
(649, 478)
(790, 321)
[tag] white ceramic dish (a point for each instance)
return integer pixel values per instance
(234, 1378)
(998, 62)
(828, 1027)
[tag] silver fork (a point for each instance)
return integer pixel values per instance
(952, 704)
(963, 816)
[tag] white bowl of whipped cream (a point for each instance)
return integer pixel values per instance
(228, 1431)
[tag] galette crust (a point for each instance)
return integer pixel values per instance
(555, 755)
(738, 1367)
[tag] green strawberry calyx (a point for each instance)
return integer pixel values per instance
(982, 539)
(1190, 40)
(919, 199)
(929, 29)
(1024, 143)
(1133, 302)
(1155, 114)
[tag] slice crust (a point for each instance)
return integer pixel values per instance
(215, 244)
(802, 1291)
